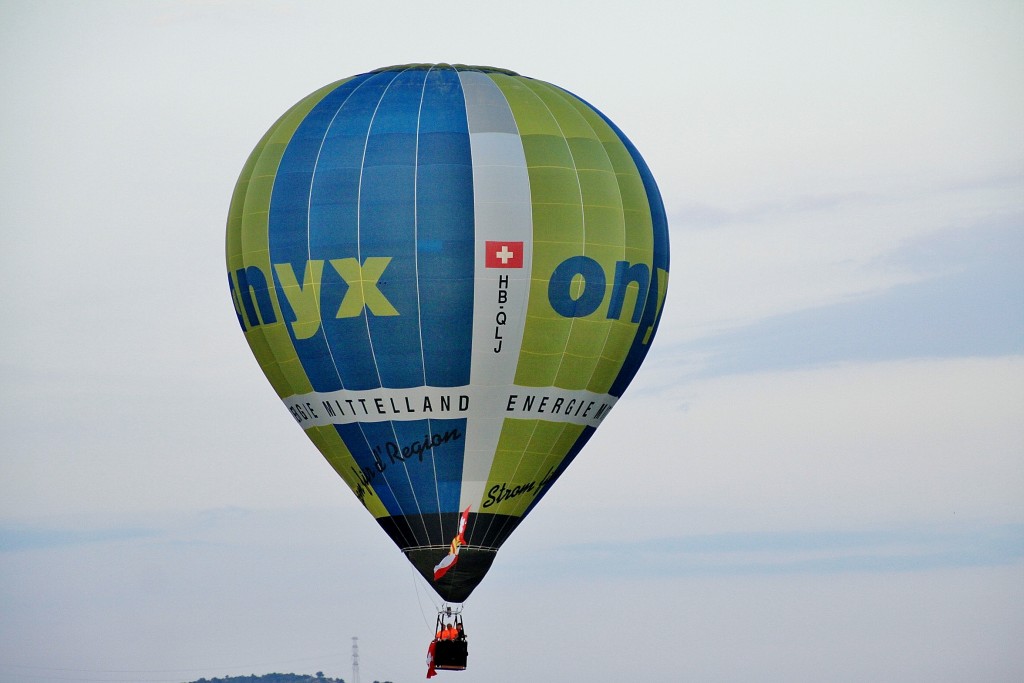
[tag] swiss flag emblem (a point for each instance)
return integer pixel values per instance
(504, 255)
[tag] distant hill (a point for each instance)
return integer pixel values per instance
(276, 678)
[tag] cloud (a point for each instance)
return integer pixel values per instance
(233, 591)
(782, 552)
(761, 262)
(831, 447)
(14, 538)
(974, 308)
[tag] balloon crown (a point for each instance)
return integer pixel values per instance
(457, 67)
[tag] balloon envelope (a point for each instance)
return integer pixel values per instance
(449, 274)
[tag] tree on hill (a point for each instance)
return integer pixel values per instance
(276, 678)
(273, 678)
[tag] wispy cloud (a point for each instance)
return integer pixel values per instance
(736, 267)
(917, 549)
(18, 538)
(975, 309)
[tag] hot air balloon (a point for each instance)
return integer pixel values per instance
(449, 274)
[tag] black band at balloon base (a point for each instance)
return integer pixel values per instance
(426, 541)
(459, 581)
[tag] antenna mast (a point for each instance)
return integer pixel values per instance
(355, 659)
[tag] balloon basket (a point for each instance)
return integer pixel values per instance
(451, 649)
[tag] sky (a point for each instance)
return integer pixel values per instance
(817, 475)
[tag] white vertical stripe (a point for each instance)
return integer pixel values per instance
(502, 212)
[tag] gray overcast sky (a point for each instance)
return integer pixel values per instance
(818, 474)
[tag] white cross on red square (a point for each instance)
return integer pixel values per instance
(503, 254)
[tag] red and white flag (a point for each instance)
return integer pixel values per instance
(452, 557)
(431, 672)
(503, 254)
